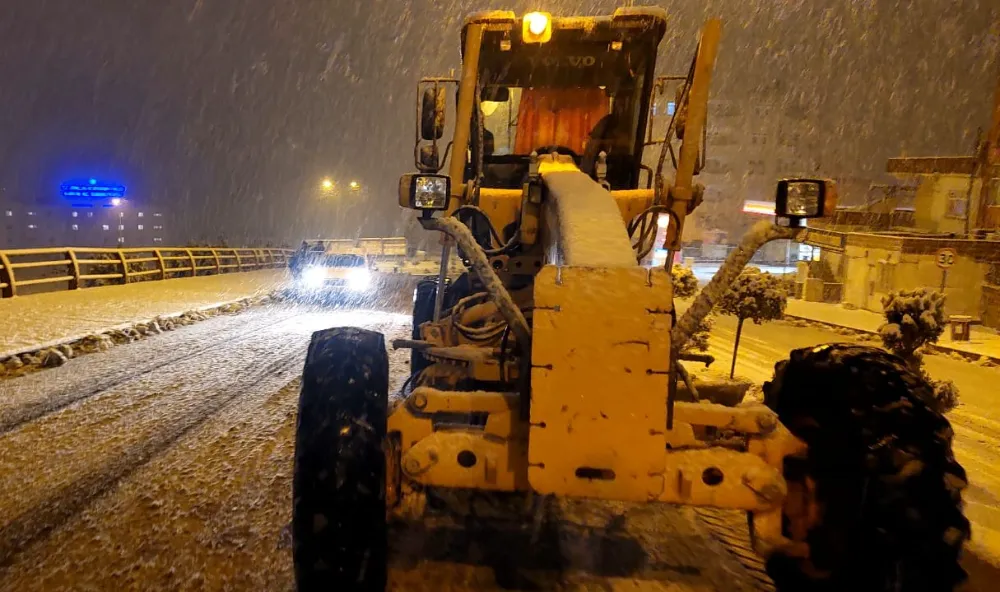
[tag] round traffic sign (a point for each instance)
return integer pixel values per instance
(945, 258)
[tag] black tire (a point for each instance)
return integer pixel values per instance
(338, 488)
(886, 482)
(423, 311)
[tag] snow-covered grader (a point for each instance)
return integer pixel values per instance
(553, 366)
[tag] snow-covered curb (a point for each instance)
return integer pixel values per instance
(984, 359)
(56, 353)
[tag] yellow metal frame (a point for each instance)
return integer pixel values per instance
(600, 361)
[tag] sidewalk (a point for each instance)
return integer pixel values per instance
(40, 320)
(982, 341)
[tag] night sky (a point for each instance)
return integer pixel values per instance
(233, 110)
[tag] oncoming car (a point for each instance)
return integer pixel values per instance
(319, 275)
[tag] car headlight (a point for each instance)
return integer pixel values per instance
(359, 279)
(313, 276)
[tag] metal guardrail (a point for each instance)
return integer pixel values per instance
(77, 266)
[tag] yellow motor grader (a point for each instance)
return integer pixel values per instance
(553, 366)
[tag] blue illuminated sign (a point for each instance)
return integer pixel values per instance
(91, 188)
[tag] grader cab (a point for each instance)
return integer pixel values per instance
(552, 366)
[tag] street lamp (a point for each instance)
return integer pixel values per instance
(327, 184)
(355, 186)
(116, 201)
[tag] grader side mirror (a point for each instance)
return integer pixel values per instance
(429, 160)
(432, 112)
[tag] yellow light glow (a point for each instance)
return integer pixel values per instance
(327, 184)
(758, 207)
(663, 220)
(116, 202)
(355, 185)
(537, 22)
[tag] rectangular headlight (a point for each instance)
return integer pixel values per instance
(805, 198)
(430, 192)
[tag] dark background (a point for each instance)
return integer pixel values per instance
(233, 110)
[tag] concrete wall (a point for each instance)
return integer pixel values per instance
(870, 272)
(863, 284)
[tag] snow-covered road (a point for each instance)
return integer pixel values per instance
(166, 465)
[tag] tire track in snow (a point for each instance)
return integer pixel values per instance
(33, 517)
(14, 413)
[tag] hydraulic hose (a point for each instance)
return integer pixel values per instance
(462, 236)
(761, 234)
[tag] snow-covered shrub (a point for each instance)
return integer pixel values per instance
(684, 281)
(915, 318)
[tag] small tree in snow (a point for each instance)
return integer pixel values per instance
(699, 339)
(915, 318)
(756, 296)
(684, 281)
(685, 285)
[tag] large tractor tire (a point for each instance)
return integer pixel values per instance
(879, 492)
(423, 311)
(338, 489)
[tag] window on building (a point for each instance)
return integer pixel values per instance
(75, 227)
(720, 138)
(157, 239)
(157, 227)
(9, 213)
(74, 214)
(956, 204)
(140, 214)
(31, 213)
(121, 227)
(32, 226)
(106, 227)
(716, 166)
(121, 240)
(157, 215)
(140, 227)
(90, 214)
(789, 139)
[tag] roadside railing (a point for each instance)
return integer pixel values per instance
(85, 267)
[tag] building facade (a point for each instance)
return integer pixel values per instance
(92, 224)
(749, 147)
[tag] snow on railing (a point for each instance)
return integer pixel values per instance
(82, 267)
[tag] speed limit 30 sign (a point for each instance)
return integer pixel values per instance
(945, 258)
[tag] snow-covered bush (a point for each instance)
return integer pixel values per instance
(684, 281)
(699, 339)
(915, 318)
(685, 285)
